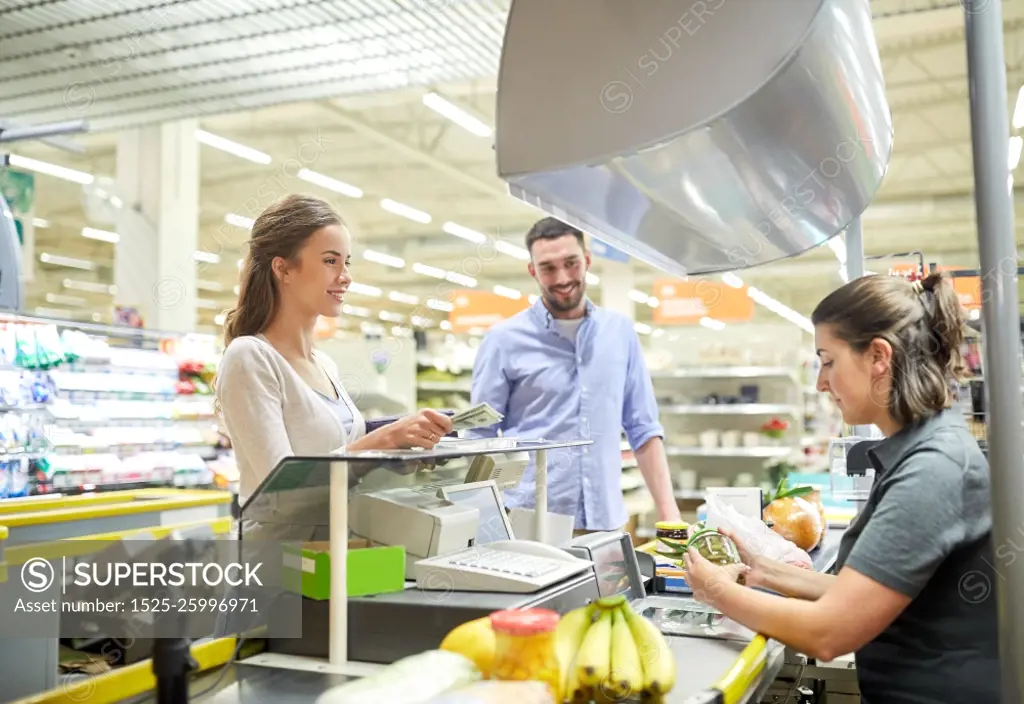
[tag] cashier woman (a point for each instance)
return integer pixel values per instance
(278, 396)
(912, 597)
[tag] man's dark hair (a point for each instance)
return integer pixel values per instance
(551, 228)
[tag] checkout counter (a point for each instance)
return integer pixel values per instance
(446, 505)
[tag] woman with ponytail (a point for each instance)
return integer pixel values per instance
(912, 595)
(278, 396)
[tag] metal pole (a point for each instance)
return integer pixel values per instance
(990, 134)
(854, 250)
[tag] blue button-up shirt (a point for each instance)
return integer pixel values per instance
(550, 388)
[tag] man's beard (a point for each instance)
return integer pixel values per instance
(559, 305)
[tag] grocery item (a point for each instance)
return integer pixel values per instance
(798, 520)
(474, 640)
(815, 498)
(412, 680)
(674, 530)
(569, 636)
(620, 655)
(525, 646)
(715, 547)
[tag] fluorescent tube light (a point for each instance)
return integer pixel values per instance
(532, 298)
(512, 250)
(731, 279)
(436, 304)
(239, 221)
(356, 311)
(42, 167)
(460, 279)
(712, 323)
(39, 222)
(364, 290)
(206, 257)
(89, 286)
(330, 184)
(446, 325)
(405, 211)
(214, 286)
(406, 298)
(207, 304)
(219, 319)
(642, 328)
(592, 279)
(427, 270)
(391, 317)
(508, 292)
(638, 296)
(63, 300)
(233, 148)
(101, 235)
(653, 302)
(465, 233)
(382, 258)
(1016, 142)
(457, 115)
(69, 262)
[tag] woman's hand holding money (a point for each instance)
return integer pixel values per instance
(423, 429)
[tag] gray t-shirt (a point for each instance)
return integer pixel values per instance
(925, 532)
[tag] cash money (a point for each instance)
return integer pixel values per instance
(479, 416)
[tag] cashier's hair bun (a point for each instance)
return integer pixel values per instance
(279, 231)
(923, 323)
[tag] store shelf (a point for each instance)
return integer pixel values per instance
(690, 494)
(728, 373)
(464, 387)
(768, 451)
(732, 409)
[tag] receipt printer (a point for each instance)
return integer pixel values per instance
(422, 523)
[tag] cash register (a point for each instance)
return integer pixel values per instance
(489, 571)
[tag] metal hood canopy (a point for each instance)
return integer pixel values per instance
(699, 136)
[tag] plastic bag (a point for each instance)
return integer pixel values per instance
(754, 535)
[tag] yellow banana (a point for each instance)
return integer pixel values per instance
(626, 678)
(593, 661)
(569, 634)
(659, 666)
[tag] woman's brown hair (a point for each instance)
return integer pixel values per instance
(279, 231)
(922, 322)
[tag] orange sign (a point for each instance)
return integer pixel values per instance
(967, 287)
(325, 328)
(684, 302)
(482, 309)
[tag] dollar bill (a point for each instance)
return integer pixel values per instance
(479, 416)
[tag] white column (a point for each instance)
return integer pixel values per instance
(616, 282)
(158, 181)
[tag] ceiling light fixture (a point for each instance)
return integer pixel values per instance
(712, 323)
(446, 325)
(60, 299)
(457, 115)
(39, 222)
(356, 311)
(512, 250)
(642, 328)
(364, 290)
(731, 279)
(460, 279)
(42, 167)
(239, 221)
(101, 235)
(404, 298)
(508, 292)
(427, 270)
(391, 317)
(405, 211)
(233, 148)
(1016, 143)
(638, 296)
(70, 262)
(465, 233)
(780, 309)
(382, 258)
(205, 257)
(436, 304)
(592, 279)
(330, 184)
(89, 286)
(214, 286)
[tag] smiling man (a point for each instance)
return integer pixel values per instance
(565, 369)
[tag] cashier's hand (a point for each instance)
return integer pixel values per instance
(423, 429)
(708, 580)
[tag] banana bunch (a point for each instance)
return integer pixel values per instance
(608, 652)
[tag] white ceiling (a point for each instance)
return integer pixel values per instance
(350, 76)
